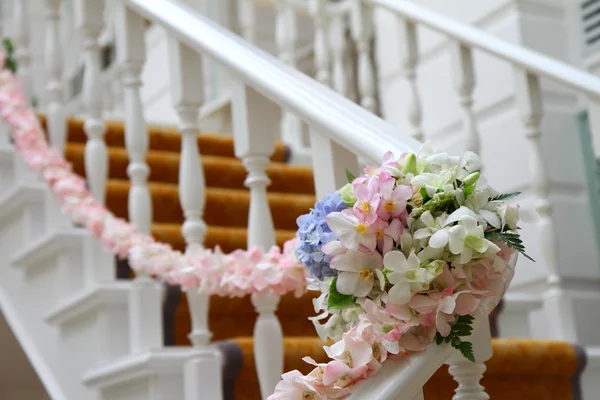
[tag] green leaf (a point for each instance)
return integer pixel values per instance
(504, 196)
(512, 240)
(424, 195)
(462, 327)
(466, 349)
(469, 190)
(338, 300)
(350, 176)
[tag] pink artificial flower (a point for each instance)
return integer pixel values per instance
(417, 338)
(367, 201)
(388, 329)
(351, 231)
(393, 200)
(352, 350)
(357, 272)
(448, 307)
(295, 386)
(387, 234)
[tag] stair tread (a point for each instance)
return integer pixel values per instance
(224, 207)
(219, 171)
(162, 137)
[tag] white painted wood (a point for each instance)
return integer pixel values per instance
(89, 21)
(146, 295)
(254, 145)
(20, 38)
(246, 15)
(468, 374)
(362, 33)
(286, 37)
(337, 39)
(464, 80)
(419, 395)
(320, 16)
(202, 372)
(529, 102)
(55, 107)
(331, 160)
(409, 48)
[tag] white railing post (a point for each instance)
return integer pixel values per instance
(55, 107)
(20, 37)
(286, 35)
(202, 372)
(529, 102)
(145, 302)
(467, 373)
(254, 144)
(464, 80)
(246, 16)
(89, 19)
(362, 33)
(337, 39)
(319, 13)
(409, 50)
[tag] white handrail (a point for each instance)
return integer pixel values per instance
(331, 114)
(529, 60)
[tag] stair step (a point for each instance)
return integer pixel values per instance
(236, 317)
(165, 138)
(228, 238)
(224, 207)
(519, 369)
(219, 171)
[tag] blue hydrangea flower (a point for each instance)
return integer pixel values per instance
(313, 233)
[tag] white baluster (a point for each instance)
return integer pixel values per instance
(337, 39)
(464, 79)
(202, 373)
(331, 160)
(362, 32)
(55, 107)
(286, 36)
(89, 17)
(145, 303)
(254, 144)
(409, 47)
(529, 101)
(319, 13)
(468, 374)
(20, 37)
(247, 19)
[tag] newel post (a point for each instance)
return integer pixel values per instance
(254, 144)
(202, 372)
(145, 302)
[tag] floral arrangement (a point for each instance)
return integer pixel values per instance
(403, 256)
(237, 274)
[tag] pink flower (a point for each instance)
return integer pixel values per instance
(357, 272)
(351, 231)
(367, 201)
(387, 234)
(295, 386)
(393, 200)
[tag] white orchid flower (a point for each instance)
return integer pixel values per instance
(433, 182)
(432, 225)
(406, 275)
(357, 272)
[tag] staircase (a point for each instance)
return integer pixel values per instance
(95, 330)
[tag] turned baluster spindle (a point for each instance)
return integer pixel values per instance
(202, 372)
(529, 102)
(464, 79)
(409, 50)
(254, 145)
(362, 33)
(319, 13)
(468, 374)
(89, 17)
(20, 37)
(55, 107)
(337, 39)
(247, 19)
(145, 303)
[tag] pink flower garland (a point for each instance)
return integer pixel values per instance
(236, 275)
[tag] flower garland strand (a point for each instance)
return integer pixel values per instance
(236, 275)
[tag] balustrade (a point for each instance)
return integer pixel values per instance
(410, 58)
(362, 33)
(20, 37)
(464, 77)
(320, 16)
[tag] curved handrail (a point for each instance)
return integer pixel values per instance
(518, 55)
(324, 110)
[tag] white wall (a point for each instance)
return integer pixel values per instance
(542, 25)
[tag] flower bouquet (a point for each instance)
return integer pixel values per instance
(403, 256)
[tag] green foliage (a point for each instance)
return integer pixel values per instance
(468, 190)
(10, 62)
(512, 240)
(504, 196)
(462, 327)
(350, 176)
(338, 300)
